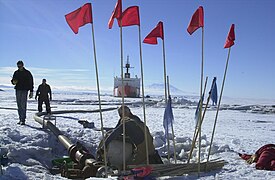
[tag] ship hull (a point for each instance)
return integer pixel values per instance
(131, 87)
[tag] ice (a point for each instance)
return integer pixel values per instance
(242, 126)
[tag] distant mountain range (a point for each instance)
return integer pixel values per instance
(153, 89)
(158, 89)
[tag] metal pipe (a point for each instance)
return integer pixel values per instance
(63, 139)
(86, 162)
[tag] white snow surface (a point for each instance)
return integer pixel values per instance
(242, 126)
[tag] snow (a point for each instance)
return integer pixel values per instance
(243, 125)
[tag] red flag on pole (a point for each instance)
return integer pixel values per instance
(197, 21)
(116, 14)
(80, 17)
(230, 37)
(151, 38)
(130, 16)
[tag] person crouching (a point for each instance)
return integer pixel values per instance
(135, 146)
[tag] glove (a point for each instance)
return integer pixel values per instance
(31, 95)
(251, 159)
(14, 81)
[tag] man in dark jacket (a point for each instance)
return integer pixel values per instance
(43, 92)
(23, 81)
(135, 135)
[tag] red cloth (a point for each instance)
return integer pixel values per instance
(80, 17)
(130, 16)
(151, 38)
(116, 14)
(143, 171)
(265, 157)
(245, 156)
(197, 21)
(140, 173)
(230, 37)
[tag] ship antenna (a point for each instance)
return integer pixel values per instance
(127, 66)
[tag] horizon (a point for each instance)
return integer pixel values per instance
(37, 82)
(153, 91)
(37, 33)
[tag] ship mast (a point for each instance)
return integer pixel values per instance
(127, 66)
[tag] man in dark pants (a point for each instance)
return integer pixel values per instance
(43, 92)
(23, 81)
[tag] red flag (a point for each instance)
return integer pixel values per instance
(130, 16)
(80, 17)
(116, 14)
(197, 21)
(151, 38)
(230, 37)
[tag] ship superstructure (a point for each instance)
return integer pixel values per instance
(131, 85)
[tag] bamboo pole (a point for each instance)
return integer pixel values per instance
(143, 102)
(180, 169)
(196, 128)
(168, 86)
(205, 109)
(122, 96)
(219, 103)
(200, 109)
(99, 100)
(165, 95)
(164, 71)
(204, 89)
(172, 127)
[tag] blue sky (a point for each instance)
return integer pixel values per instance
(36, 32)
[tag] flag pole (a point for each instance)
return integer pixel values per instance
(200, 124)
(143, 102)
(205, 109)
(122, 96)
(165, 94)
(217, 112)
(200, 108)
(173, 134)
(99, 100)
(196, 129)
(204, 89)
(164, 71)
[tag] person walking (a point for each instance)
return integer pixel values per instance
(43, 92)
(23, 81)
